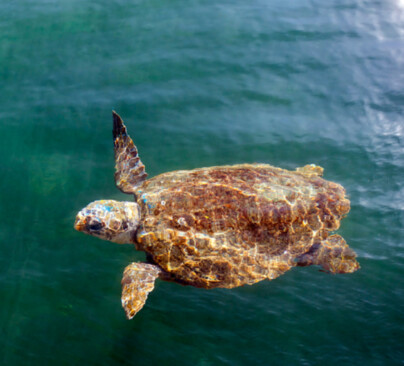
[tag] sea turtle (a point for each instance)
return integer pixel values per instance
(223, 226)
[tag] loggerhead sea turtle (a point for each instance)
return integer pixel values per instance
(224, 226)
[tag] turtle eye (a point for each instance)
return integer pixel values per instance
(95, 226)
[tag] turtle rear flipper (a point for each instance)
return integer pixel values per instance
(311, 170)
(138, 280)
(333, 254)
(129, 170)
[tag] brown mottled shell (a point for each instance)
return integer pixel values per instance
(233, 225)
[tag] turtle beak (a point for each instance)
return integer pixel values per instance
(79, 223)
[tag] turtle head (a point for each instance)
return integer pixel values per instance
(109, 220)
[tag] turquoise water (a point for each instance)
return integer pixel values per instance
(198, 83)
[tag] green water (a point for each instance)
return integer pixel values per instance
(199, 83)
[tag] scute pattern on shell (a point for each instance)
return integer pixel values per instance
(233, 225)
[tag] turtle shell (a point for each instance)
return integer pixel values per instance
(233, 225)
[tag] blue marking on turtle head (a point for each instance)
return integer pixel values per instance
(102, 207)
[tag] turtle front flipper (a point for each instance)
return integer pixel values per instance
(138, 280)
(333, 254)
(129, 170)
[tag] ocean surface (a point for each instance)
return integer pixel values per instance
(198, 83)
